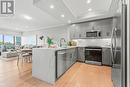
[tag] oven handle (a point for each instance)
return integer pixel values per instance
(94, 49)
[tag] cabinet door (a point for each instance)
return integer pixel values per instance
(105, 26)
(81, 54)
(68, 58)
(73, 55)
(77, 32)
(106, 56)
(72, 33)
(61, 62)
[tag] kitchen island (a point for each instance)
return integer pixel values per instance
(51, 63)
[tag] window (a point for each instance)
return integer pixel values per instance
(9, 41)
(29, 40)
(1, 39)
(17, 40)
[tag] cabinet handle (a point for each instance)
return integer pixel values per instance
(93, 49)
(61, 53)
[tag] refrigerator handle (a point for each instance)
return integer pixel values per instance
(112, 55)
(115, 39)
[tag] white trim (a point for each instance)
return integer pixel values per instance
(128, 43)
(42, 28)
(65, 3)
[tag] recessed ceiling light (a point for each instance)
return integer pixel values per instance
(73, 25)
(16, 28)
(26, 26)
(27, 17)
(88, 1)
(69, 21)
(62, 16)
(52, 6)
(90, 9)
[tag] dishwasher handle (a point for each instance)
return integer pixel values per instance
(61, 53)
(93, 49)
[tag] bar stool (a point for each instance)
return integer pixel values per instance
(25, 57)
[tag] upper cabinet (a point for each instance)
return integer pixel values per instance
(78, 31)
(74, 32)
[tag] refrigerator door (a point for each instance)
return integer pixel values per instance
(124, 47)
(119, 49)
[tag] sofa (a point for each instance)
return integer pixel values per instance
(9, 54)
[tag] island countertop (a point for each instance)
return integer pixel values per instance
(58, 48)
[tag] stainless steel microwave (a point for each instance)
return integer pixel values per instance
(93, 34)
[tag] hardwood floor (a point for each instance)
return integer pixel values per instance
(79, 75)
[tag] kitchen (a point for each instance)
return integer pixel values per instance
(72, 43)
(93, 46)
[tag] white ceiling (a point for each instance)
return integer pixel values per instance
(42, 16)
(80, 7)
(17, 22)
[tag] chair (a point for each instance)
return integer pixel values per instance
(26, 56)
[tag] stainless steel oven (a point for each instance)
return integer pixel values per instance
(93, 55)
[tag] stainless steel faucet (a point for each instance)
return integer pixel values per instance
(61, 41)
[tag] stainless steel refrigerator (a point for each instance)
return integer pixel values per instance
(119, 46)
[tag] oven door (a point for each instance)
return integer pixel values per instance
(93, 56)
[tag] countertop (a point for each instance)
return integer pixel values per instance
(58, 48)
(69, 47)
(96, 46)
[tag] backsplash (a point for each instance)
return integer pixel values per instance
(94, 42)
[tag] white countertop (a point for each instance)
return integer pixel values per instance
(58, 48)
(69, 47)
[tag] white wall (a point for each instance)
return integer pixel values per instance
(56, 33)
(106, 42)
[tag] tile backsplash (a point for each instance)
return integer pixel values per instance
(106, 42)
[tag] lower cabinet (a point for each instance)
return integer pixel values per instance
(106, 56)
(65, 59)
(81, 54)
(68, 58)
(72, 55)
(61, 63)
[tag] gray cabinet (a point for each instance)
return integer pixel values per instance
(65, 58)
(106, 56)
(104, 25)
(74, 32)
(68, 58)
(61, 62)
(71, 56)
(81, 53)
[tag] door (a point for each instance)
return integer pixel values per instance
(119, 49)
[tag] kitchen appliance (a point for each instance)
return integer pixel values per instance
(93, 55)
(119, 47)
(93, 34)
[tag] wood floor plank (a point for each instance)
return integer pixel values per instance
(79, 75)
